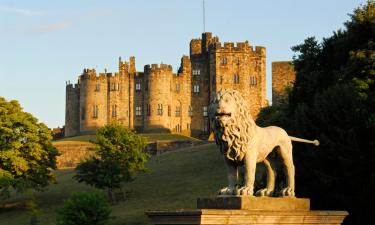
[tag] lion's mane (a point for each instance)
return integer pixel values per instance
(234, 137)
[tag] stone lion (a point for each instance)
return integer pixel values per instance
(242, 142)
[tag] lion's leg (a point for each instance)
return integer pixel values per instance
(268, 191)
(232, 178)
(250, 167)
(286, 155)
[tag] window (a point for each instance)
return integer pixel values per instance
(178, 128)
(236, 79)
(253, 80)
(169, 110)
(115, 87)
(178, 87)
(148, 110)
(178, 111)
(114, 110)
(190, 111)
(137, 86)
(95, 111)
(160, 109)
(224, 61)
(237, 61)
(221, 79)
(83, 113)
(196, 71)
(205, 113)
(196, 88)
(97, 87)
(138, 111)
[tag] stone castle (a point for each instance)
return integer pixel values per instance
(158, 99)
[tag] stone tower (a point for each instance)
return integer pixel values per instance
(283, 76)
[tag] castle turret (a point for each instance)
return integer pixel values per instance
(93, 101)
(158, 97)
(72, 110)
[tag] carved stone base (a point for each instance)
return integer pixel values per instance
(254, 203)
(248, 211)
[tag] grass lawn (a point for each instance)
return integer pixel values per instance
(150, 136)
(174, 181)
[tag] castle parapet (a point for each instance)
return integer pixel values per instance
(157, 68)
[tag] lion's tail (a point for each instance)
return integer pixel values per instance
(314, 142)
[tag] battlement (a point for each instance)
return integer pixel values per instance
(185, 64)
(127, 67)
(70, 86)
(157, 68)
(238, 47)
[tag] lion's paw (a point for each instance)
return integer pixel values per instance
(245, 191)
(264, 192)
(227, 191)
(288, 192)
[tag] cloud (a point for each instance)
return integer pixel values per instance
(46, 28)
(19, 11)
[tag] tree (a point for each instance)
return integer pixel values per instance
(85, 209)
(27, 156)
(120, 155)
(333, 99)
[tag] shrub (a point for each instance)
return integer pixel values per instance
(85, 209)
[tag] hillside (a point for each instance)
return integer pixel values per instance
(150, 136)
(174, 181)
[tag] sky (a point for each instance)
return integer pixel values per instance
(44, 43)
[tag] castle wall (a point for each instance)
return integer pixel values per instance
(72, 110)
(283, 75)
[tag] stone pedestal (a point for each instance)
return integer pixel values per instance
(248, 210)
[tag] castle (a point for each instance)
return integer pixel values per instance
(158, 99)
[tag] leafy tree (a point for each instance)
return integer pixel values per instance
(333, 99)
(120, 155)
(85, 209)
(27, 156)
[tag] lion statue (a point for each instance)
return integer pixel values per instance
(242, 142)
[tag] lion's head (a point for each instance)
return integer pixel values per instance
(231, 123)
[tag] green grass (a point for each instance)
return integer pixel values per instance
(150, 136)
(174, 181)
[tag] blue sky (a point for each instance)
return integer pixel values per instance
(45, 43)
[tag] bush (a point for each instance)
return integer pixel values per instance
(85, 209)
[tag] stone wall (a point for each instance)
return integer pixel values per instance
(283, 75)
(72, 153)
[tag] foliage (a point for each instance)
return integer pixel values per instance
(85, 209)
(27, 156)
(333, 99)
(120, 155)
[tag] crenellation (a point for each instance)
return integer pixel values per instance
(157, 99)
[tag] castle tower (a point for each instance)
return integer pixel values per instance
(181, 98)
(158, 108)
(283, 76)
(72, 110)
(241, 67)
(93, 101)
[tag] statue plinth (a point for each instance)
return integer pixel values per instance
(254, 203)
(248, 210)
